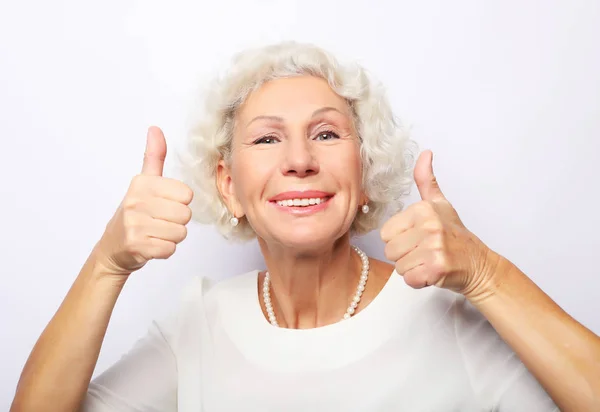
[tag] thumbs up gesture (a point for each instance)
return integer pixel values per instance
(431, 245)
(151, 219)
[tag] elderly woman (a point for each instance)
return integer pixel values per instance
(302, 153)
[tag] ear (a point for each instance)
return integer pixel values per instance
(226, 189)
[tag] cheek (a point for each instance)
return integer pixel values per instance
(250, 174)
(348, 164)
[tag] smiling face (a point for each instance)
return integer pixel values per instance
(295, 169)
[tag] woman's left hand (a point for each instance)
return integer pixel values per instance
(431, 245)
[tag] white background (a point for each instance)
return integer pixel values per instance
(506, 94)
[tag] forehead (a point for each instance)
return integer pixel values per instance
(286, 97)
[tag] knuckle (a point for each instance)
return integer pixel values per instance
(131, 221)
(388, 252)
(399, 268)
(131, 203)
(179, 191)
(182, 233)
(138, 181)
(384, 233)
(424, 207)
(413, 209)
(132, 234)
(187, 194)
(130, 244)
(186, 214)
(436, 243)
(166, 250)
(389, 229)
(433, 225)
(438, 264)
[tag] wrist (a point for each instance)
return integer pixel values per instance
(101, 270)
(489, 277)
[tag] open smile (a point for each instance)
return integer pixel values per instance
(302, 203)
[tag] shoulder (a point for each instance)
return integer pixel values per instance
(231, 287)
(198, 301)
(203, 288)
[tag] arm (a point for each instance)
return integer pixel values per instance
(143, 380)
(59, 369)
(148, 224)
(431, 246)
(561, 353)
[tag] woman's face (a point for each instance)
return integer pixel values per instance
(295, 170)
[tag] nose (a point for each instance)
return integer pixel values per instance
(300, 159)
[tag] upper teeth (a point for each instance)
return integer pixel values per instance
(300, 202)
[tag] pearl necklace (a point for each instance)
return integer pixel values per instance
(351, 309)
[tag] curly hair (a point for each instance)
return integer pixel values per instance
(387, 153)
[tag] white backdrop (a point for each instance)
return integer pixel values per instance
(506, 94)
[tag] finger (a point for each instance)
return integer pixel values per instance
(417, 277)
(174, 190)
(161, 229)
(168, 210)
(411, 260)
(425, 179)
(397, 224)
(163, 187)
(156, 152)
(402, 244)
(160, 248)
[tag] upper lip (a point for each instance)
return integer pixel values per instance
(304, 194)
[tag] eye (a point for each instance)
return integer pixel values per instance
(327, 135)
(266, 140)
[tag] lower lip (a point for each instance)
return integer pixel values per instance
(303, 210)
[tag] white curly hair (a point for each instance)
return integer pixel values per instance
(387, 152)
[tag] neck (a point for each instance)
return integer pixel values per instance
(311, 288)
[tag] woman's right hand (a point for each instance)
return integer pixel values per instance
(151, 219)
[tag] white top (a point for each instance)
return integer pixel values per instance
(408, 350)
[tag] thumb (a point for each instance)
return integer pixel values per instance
(156, 152)
(425, 179)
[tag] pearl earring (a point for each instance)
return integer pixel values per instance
(234, 221)
(365, 209)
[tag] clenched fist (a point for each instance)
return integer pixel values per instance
(151, 219)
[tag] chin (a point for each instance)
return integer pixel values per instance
(309, 239)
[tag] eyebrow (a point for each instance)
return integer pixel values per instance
(280, 119)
